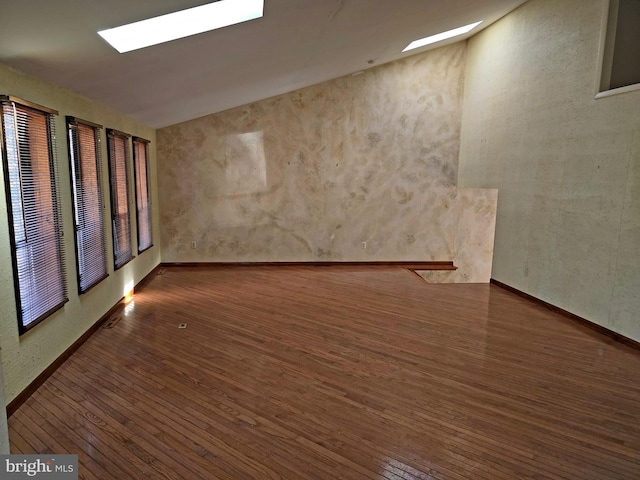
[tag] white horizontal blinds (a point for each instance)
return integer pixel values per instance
(119, 178)
(34, 211)
(86, 168)
(143, 204)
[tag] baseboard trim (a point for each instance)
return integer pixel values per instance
(22, 397)
(581, 320)
(437, 265)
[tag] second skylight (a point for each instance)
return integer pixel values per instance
(441, 36)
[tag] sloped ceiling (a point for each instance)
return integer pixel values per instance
(296, 44)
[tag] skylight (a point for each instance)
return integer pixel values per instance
(182, 24)
(441, 36)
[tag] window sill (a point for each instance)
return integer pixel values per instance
(618, 91)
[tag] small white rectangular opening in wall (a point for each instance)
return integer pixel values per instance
(619, 59)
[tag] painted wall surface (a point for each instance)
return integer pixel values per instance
(4, 431)
(310, 175)
(475, 219)
(25, 357)
(567, 164)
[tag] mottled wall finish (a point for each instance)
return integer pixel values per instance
(475, 219)
(567, 165)
(25, 357)
(309, 175)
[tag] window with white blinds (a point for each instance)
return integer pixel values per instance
(143, 203)
(86, 187)
(118, 147)
(29, 158)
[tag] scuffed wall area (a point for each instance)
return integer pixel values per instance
(310, 175)
(567, 164)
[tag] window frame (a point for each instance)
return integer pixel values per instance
(608, 34)
(42, 222)
(146, 193)
(114, 188)
(76, 165)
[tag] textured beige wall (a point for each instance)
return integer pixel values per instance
(309, 175)
(25, 357)
(567, 165)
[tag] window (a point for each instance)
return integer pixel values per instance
(143, 204)
(119, 178)
(34, 211)
(86, 188)
(621, 63)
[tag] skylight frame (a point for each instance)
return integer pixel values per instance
(181, 24)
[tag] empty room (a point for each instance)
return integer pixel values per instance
(320, 239)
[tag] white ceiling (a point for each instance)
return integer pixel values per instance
(296, 44)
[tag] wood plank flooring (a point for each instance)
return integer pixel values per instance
(347, 372)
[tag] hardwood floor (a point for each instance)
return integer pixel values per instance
(346, 372)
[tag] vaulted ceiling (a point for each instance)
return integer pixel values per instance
(296, 44)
